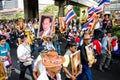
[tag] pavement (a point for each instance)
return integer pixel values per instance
(113, 74)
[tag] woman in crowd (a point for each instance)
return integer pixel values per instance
(24, 56)
(5, 53)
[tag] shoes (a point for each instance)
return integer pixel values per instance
(100, 68)
(107, 68)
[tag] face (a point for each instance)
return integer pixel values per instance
(73, 48)
(87, 41)
(106, 16)
(55, 69)
(2, 42)
(46, 24)
(26, 40)
(109, 34)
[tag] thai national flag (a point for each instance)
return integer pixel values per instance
(115, 46)
(70, 16)
(99, 9)
(91, 10)
(85, 26)
(97, 46)
(91, 13)
(105, 2)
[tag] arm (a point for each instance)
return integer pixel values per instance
(65, 65)
(34, 75)
(68, 73)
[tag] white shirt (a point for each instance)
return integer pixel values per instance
(50, 46)
(23, 51)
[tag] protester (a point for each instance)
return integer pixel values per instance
(86, 65)
(57, 41)
(67, 64)
(38, 67)
(5, 54)
(53, 63)
(106, 52)
(24, 56)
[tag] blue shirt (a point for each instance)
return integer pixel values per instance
(4, 50)
(104, 45)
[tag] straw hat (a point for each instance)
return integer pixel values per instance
(52, 59)
(86, 36)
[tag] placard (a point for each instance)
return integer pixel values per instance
(2, 71)
(63, 27)
(76, 63)
(90, 53)
(83, 14)
(46, 27)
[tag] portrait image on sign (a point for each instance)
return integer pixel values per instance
(46, 27)
(90, 54)
(76, 63)
(63, 26)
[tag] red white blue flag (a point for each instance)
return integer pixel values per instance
(105, 2)
(115, 46)
(91, 13)
(85, 26)
(97, 46)
(70, 16)
(91, 10)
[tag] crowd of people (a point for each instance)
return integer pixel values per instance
(43, 56)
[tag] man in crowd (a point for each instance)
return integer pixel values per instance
(53, 63)
(106, 52)
(86, 71)
(67, 64)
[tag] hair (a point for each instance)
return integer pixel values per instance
(72, 44)
(44, 17)
(2, 37)
(22, 37)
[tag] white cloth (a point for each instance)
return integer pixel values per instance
(40, 66)
(44, 76)
(23, 51)
(50, 46)
(97, 25)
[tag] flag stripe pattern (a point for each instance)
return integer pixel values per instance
(69, 16)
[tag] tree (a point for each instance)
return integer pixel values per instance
(18, 15)
(50, 9)
(77, 10)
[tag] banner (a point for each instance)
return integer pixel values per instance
(63, 26)
(83, 14)
(76, 63)
(90, 53)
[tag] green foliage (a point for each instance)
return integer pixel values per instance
(116, 31)
(77, 10)
(18, 15)
(50, 9)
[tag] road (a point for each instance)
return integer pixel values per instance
(113, 74)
